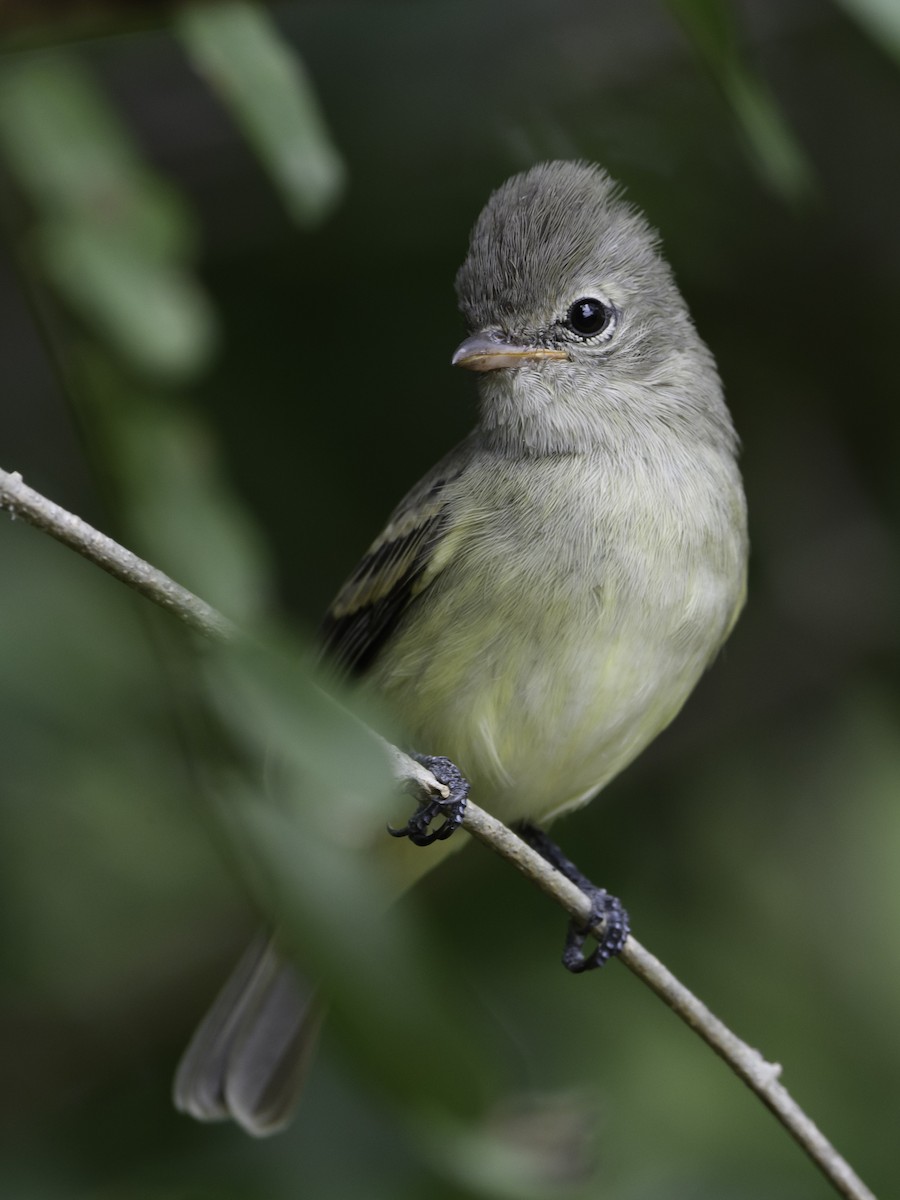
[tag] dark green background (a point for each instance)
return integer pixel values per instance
(756, 844)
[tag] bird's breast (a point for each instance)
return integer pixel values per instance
(580, 604)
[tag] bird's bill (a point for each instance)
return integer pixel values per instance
(482, 352)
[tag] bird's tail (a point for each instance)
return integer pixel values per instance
(250, 1052)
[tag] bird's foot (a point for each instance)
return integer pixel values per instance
(608, 909)
(604, 908)
(452, 809)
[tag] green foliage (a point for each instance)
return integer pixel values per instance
(781, 161)
(111, 235)
(307, 840)
(237, 49)
(881, 18)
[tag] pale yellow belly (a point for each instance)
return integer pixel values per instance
(538, 720)
(570, 621)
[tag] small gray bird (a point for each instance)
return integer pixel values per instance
(542, 603)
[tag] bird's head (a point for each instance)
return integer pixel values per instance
(576, 325)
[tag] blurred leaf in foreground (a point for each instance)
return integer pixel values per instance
(259, 77)
(881, 18)
(310, 841)
(308, 833)
(114, 238)
(710, 26)
(172, 494)
(148, 308)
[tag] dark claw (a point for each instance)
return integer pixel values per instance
(608, 909)
(453, 809)
(604, 907)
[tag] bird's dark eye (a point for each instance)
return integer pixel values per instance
(587, 317)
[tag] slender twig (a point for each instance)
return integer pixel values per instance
(22, 501)
(761, 1076)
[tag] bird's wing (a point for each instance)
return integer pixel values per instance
(400, 564)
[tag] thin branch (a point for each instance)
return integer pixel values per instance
(761, 1076)
(22, 501)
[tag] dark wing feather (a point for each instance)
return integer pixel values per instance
(391, 574)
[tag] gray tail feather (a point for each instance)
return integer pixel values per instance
(248, 1057)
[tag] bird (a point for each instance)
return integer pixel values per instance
(543, 602)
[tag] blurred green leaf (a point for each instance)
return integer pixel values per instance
(186, 514)
(153, 313)
(533, 1147)
(114, 238)
(711, 28)
(782, 161)
(172, 492)
(881, 18)
(246, 61)
(311, 841)
(73, 156)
